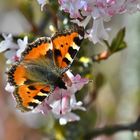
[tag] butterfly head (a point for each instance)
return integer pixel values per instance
(60, 83)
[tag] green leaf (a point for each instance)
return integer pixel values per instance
(122, 46)
(118, 42)
(106, 43)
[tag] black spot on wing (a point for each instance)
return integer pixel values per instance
(66, 60)
(57, 52)
(77, 41)
(40, 98)
(72, 52)
(32, 104)
(44, 91)
(10, 74)
(31, 87)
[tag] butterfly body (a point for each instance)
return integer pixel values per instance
(42, 67)
(43, 70)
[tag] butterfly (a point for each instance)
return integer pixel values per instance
(42, 67)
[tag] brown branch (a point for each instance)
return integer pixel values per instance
(110, 130)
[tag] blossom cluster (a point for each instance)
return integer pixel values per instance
(61, 102)
(99, 11)
(12, 50)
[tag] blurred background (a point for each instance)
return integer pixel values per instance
(112, 98)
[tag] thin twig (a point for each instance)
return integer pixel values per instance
(110, 130)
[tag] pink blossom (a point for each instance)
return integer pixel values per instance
(99, 11)
(61, 102)
(73, 7)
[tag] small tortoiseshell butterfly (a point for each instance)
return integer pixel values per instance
(42, 67)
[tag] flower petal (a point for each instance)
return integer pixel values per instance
(69, 117)
(22, 45)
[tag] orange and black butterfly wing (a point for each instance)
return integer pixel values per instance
(36, 49)
(17, 75)
(66, 45)
(29, 93)
(30, 96)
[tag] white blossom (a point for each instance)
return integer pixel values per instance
(11, 49)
